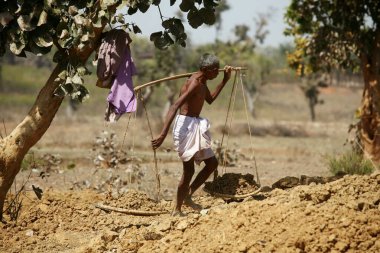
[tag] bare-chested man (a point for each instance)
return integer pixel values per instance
(190, 132)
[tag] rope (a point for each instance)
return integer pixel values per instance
(126, 130)
(232, 98)
(232, 102)
(230, 124)
(249, 128)
(158, 184)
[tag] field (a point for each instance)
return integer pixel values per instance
(74, 167)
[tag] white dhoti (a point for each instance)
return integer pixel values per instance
(192, 138)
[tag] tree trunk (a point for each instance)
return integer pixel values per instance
(14, 147)
(1, 76)
(369, 125)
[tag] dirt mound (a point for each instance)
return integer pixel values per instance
(232, 184)
(135, 200)
(340, 216)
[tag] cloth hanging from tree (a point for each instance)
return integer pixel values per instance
(115, 70)
(121, 98)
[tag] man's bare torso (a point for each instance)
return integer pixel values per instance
(194, 103)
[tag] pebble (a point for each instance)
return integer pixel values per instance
(182, 225)
(29, 233)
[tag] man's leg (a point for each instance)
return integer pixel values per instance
(211, 165)
(183, 186)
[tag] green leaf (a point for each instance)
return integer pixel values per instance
(172, 2)
(181, 37)
(66, 43)
(161, 43)
(85, 38)
(83, 71)
(43, 18)
(143, 6)
(60, 91)
(136, 29)
(195, 20)
(132, 11)
(107, 3)
(83, 93)
(166, 24)
(62, 75)
(186, 5)
(68, 88)
(35, 49)
(155, 36)
(76, 79)
(5, 18)
(73, 10)
(24, 21)
(168, 38)
(79, 20)
(98, 22)
(209, 4)
(208, 16)
(43, 40)
(120, 19)
(16, 47)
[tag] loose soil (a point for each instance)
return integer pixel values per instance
(340, 216)
(302, 209)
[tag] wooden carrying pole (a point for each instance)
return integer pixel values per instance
(177, 77)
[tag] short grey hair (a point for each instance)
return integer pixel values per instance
(208, 60)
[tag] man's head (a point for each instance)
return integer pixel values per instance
(209, 65)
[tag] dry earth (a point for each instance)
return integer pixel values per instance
(340, 216)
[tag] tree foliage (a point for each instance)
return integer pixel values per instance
(36, 26)
(342, 34)
(331, 33)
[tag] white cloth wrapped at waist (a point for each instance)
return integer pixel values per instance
(192, 138)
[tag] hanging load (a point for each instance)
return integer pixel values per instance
(114, 71)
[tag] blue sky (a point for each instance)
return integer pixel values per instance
(241, 12)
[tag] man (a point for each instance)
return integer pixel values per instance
(190, 132)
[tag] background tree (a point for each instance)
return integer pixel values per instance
(346, 34)
(74, 29)
(1, 76)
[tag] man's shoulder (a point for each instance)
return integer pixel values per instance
(194, 79)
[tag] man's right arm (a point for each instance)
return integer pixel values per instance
(172, 112)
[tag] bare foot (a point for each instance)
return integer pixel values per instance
(190, 203)
(177, 213)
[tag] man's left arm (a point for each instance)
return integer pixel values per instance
(210, 97)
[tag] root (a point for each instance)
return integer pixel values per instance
(229, 196)
(129, 211)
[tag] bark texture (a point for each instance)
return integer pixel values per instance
(369, 125)
(14, 147)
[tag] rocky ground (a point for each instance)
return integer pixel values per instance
(339, 216)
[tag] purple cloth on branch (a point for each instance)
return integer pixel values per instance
(121, 95)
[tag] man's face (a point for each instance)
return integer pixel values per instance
(212, 72)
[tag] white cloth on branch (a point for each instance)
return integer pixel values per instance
(192, 138)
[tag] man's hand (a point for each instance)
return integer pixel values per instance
(156, 143)
(227, 73)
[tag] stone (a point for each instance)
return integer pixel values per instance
(163, 226)
(182, 225)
